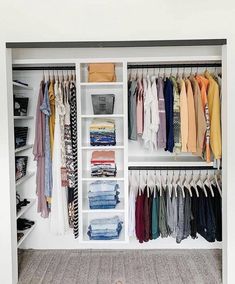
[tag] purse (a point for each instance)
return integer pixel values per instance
(101, 72)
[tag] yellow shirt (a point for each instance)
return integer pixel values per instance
(52, 116)
(214, 111)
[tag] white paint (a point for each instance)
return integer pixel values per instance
(115, 20)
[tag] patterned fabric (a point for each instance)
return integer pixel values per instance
(73, 209)
(176, 116)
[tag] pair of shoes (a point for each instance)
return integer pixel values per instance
(20, 203)
(24, 224)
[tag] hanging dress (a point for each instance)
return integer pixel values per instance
(59, 213)
(69, 155)
(73, 122)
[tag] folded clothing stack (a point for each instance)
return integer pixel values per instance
(105, 228)
(103, 164)
(102, 132)
(103, 194)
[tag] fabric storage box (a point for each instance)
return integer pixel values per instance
(21, 134)
(20, 106)
(103, 104)
(101, 72)
(21, 166)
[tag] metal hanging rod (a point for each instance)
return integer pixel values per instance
(43, 68)
(174, 65)
(170, 168)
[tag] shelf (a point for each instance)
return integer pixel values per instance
(87, 176)
(119, 208)
(15, 84)
(102, 115)
(24, 178)
(23, 117)
(101, 84)
(26, 234)
(183, 161)
(89, 147)
(86, 239)
(23, 148)
(26, 208)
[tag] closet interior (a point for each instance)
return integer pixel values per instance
(114, 162)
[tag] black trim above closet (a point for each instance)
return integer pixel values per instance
(107, 44)
(43, 68)
(175, 65)
(171, 168)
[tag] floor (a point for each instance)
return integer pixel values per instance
(120, 267)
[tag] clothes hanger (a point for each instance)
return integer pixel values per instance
(193, 184)
(201, 184)
(43, 76)
(174, 183)
(160, 183)
(186, 184)
(208, 182)
(217, 184)
(155, 184)
(179, 182)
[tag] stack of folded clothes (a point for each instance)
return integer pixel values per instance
(102, 132)
(103, 194)
(105, 228)
(103, 164)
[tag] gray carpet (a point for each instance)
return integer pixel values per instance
(122, 267)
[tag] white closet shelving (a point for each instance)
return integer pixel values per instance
(24, 91)
(85, 117)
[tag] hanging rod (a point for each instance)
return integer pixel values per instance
(43, 68)
(170, 168)
(174, 65)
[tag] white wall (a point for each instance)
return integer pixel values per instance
(76, 20)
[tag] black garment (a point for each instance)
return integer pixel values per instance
(205, 218)
(169, 100)
(217, 209)
(194, 214)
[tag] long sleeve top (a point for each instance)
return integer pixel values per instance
(214, 110)
(183, 115)
(191, 118)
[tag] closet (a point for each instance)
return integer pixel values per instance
(131, 156)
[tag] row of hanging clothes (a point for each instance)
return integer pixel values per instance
(55, 150)
(177, 203)
(169, 109)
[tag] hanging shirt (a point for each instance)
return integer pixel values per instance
(155, 206)
(200, 117)
(45, 108)
(169, 101)
(132, 123)
(187, 213)
(171, 212)
(194, 214)
(154, 112)
(180, 217)
(161, 135)
(163, 216)
(183, 115)
(191, 145)
(52, 116)
(214, 111)
(139, 216)
(176, 116)
(39, 155)
(140, 107)
(203, 84)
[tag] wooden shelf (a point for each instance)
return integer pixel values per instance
(23, 117)
(15, 84)
(24, 178)
(26, 234)
(26, 208)
(23, 148)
